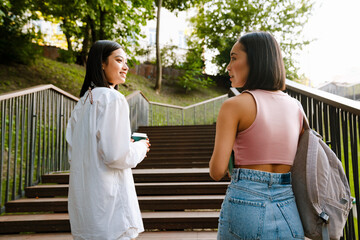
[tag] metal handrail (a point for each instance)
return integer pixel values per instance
(139, 109)
(32, 142)
(35, 89)
(199, 113)
(343, 103)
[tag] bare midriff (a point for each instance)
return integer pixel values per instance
(273, 168)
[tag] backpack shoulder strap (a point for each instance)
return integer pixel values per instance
(305, 120)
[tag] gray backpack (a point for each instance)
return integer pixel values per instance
(320, 186)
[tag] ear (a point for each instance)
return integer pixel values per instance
(103, 66)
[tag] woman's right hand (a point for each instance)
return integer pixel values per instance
(147, 143)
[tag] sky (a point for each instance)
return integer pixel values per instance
(335, 54)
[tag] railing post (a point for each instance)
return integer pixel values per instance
(204, 113)
(213, 112)
(3, 117)
(182, 116)
(32, 139)
(7, 189)
(16, 144)
(61, 130)
(151, 114)
(195, 115)
(23, 113)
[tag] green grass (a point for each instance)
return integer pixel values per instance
(69, 77)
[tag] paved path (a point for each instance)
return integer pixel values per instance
(143, 236)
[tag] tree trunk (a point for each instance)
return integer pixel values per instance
(102, 27)
(158, 56)
(85, 45)
(68, 36)
(93, 30)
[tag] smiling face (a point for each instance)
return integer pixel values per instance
(115, 68)
(238, 66)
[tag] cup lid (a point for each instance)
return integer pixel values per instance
(136, 134)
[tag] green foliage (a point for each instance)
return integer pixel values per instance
(86, 21)
(169, 57)
(4, 7)
(16, 41)
(220, 22)
(180, 5)
(193, 79)
(193, 66)
(66, 56)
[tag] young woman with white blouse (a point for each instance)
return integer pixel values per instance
(102, 199)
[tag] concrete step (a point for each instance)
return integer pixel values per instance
(171, 164)
(154, 203)
(150, 175)
(170, 154)
(176, 128)
(163, 235)
(204, 157)
(142, 189)
(59, 222)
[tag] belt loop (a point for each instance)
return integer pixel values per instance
(236, 174)
(271, 180)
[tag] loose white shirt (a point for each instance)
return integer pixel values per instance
(102, 200)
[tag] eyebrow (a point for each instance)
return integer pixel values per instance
(119, 56)
(232, 54)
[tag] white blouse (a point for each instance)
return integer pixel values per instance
(102, 199)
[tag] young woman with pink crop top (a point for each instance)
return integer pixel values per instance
(262, 126)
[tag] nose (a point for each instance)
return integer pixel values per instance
(126, 67)
(227, 68)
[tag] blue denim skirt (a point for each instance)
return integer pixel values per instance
(259, 205)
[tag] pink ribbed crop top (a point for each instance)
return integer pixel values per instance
(273, 136)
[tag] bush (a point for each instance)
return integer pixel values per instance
(66, 56)
(194, 79)
(15, 45)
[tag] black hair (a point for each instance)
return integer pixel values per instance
(266, 65)
(98, 54)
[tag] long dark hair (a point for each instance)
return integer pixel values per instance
(265, 61)
(98, 54)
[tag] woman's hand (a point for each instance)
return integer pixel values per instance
(147, 142)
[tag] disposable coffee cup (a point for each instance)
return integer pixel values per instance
(139, 136)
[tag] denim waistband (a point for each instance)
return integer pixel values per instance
(260, 176)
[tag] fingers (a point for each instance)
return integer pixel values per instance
(147, 142)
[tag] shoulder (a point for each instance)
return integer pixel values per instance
(107, 95)
(239, 103)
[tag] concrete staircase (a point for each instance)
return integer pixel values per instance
(173, 186)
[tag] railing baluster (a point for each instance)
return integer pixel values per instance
(327, 125)
(28, 129)
(33, 133)
(48, 151)
(195, 115)
(355, 163)
(43, 163)
(16, 145)
(3, 133)
(204, 113)
(60, 127)
(10, 134)
(23, 118)
(39, 122)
